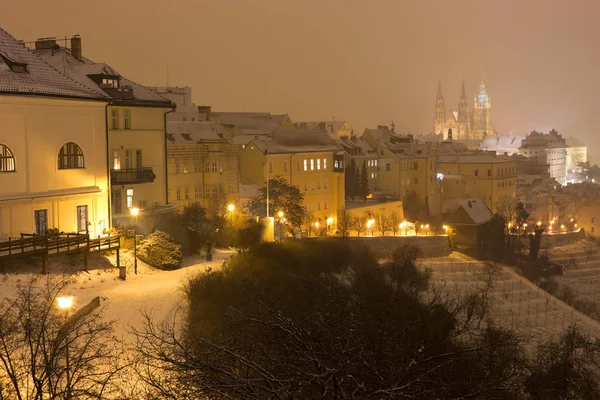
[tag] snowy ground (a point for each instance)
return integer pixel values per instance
(158, 292)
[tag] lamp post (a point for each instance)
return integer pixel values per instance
(231, 208)
(134, 212)
(369, 225)
(280, 215)
(403, 227)
(65, 303)
(317, 228)
(329, 222)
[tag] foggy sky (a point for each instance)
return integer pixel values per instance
(368, 62)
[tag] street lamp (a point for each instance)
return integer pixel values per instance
(426, 229)
(134, 211)
(65, 303)
(329, 222)
(403, 227)
(231, 208)
(370, 224)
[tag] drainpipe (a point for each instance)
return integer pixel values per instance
(109, 222)
(166, 160)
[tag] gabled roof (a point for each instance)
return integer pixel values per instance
(39, 78)
(285, 141)
(63, 61)
(574, 142)
(195, 132)
(476, 209)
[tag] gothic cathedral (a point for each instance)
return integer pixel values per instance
(464, 125)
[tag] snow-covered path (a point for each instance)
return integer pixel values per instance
(155, 291)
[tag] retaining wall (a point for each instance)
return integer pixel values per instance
(384, 246)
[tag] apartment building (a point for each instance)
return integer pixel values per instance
(53, 152)
(547, 149)
(309, 159)
(135, 124)
(203, 165)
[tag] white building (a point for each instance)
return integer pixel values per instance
(136, 128)
(576, 153)
(547, 149)
(502, 144)
(53, 157)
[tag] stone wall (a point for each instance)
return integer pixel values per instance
(556, 239)
(384, 246)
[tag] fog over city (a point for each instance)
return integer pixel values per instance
(366, 62)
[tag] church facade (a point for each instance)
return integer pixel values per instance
(464, 124)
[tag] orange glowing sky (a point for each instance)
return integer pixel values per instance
(368, 62)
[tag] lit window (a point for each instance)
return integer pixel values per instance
(305, 165)
(7, 160)
(312, 164)
(324, 163)
(113, 83)
(116, 161)
(126, 119)
(318, 163)
(129, 198)
(70, 156)
(185, 167)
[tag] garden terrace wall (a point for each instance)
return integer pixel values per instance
(384, 246)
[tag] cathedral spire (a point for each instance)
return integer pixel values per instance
(462, 93)
(439, 119)
(439, 89)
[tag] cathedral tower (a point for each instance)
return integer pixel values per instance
(463, 119)
(439, 119)
(482, 114)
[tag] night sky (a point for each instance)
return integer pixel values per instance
(368, 62)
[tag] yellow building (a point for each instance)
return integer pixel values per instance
(481, 175)
(135, 126)
(309, 159)
(52, 148)
(337, 128)
(405, 166)
(203, 165)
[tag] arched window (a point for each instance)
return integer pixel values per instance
(7, 160)
(70, 156)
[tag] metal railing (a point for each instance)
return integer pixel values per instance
(130, 176)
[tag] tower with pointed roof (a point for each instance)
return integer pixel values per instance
(439, 119)
(463, 118)
(482, 114)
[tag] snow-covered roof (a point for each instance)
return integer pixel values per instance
(574, 142)
(285, 141)
(502, 142)
(63, 61)
(477, 210)
(38, 78)
(474, 158)
(193, 132)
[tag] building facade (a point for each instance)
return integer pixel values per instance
(52, 148)
(547, 149)
(135, 124)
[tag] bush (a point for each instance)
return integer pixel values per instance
(159, 250)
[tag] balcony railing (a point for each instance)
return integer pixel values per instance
(130, 176)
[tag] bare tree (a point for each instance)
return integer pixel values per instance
(382, 222)
(395, 221)
(359, 224)
(507, 208)
(46, 353)
(344, 222)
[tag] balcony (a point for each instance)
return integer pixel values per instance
(131, 176)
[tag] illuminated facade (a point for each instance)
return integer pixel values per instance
(52, 148)
(135, 126)
(465, 125)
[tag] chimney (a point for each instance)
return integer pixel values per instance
(76, 48)
(45, 43)
(470, 204)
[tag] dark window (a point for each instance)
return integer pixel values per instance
(388, 167)
(70, 156)
(82, 218)
(476, 172)
(416, 165)
(489, 172)
(115, 201)
(7, 160)
(41, 221)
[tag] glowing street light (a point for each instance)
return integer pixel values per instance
(231, 208)
(280, 214)
(403, 226)
(65, 303)
(329, 222)
(539, 223)
(426, 229)
(134, 211)
(370, 224)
